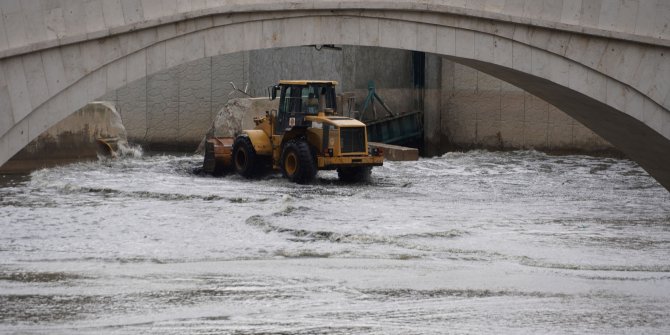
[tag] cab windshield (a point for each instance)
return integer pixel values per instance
(298, 101)
(308, 100)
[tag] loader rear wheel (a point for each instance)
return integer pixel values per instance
(297, 162)
(244, 157)
(354, 174)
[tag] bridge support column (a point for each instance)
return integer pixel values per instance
(432, 107)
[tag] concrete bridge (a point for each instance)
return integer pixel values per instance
(603, 62)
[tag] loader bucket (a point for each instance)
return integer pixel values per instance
(218, 155)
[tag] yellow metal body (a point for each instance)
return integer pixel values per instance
(266, 143)
(261, 141)
(315, 135)
(326, 163)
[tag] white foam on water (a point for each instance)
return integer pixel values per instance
(513, 242)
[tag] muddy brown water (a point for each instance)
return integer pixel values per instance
(477, 242)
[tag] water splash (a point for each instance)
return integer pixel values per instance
(129, 150)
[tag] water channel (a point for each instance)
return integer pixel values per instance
(478, 242)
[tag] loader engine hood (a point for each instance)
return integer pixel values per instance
(338, 121)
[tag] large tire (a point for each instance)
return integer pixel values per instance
(354, 174)
(297, 162)
(245, 159)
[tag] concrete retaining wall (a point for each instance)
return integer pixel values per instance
(464, 108)
(351, 66)
(173, 109)
(481, 111)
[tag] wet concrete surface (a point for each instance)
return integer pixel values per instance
(477, 242)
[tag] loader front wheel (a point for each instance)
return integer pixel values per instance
(297, 163)
(245, 158)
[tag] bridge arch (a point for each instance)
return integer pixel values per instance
(546, 63)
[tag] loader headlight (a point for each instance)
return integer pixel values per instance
(377, 152)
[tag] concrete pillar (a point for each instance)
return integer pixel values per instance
(432, 113)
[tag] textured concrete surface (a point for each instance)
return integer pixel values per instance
(174, 108)
(433, 105)
(396, 152)
(503, 116)
(38, 24)
(577, 55)
(352, 67)
(482, 111)
(73, 139)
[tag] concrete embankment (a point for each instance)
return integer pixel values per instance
(396, 153)
(91, 131)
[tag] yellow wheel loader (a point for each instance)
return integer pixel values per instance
(299, 139)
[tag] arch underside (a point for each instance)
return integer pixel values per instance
(634, 128)
(633, 137)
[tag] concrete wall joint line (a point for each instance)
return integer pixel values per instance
(3, 79)
(146, 100)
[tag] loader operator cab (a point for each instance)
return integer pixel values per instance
(301, 98)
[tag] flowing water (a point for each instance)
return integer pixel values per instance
(477, 242)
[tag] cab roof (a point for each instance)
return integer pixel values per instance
(307, 82)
